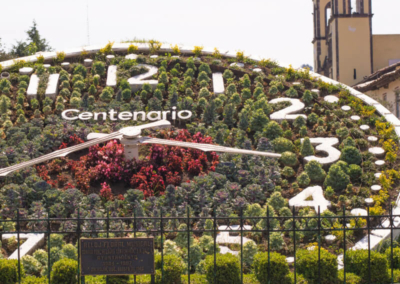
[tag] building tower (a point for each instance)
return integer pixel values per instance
(342, 40)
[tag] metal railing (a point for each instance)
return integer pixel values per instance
(158, 226)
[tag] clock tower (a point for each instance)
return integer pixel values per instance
(343, 47)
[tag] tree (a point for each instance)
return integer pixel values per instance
(3, 54)
(306, 148)
(33, 44)
(337, 178)
(307, 66)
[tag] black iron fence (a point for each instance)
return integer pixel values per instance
(316, 225)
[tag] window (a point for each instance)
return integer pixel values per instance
(355, 6)
(384, 97)
(355, 74)
(328, 14)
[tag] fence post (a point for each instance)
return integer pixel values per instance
(49, 265)
(369, 248)
(162, 245)
(391, 240)
(18, 239)
(294, 243)
(269, 251)
(188, 239)
(79, 247)
(134, 235)
(241, 244)
(108, 234)
(319, 244)
(215, 246)
(344, 245)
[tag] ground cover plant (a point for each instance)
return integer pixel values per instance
(172, 181)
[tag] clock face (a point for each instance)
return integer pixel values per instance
(336, 153)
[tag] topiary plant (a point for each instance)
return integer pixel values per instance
(276, 239)
(227, 269)
(355, 172)
(396, 257)
(351, 155)
(314, 171)
(273, 130)
(34, 280)
(64, 271)
(249, 251)
(173, 268)
(356, 261)
(303, 179)
(282, 145)
(272, 269)
(324, 272)
(9, 271)
(351, 278)
(31, 265)
(306, 148)
(288, 159)
(276, 201)
(337, 178)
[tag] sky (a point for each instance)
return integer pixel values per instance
(278, 29)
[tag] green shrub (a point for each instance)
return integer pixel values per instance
(123, 279)
(355, 172)
(273, 130)
(64, 271)
(351, 278)
(173, 268)
(351, 155)
(31, 265)
(342, 132)
(299, 279)
(337, 178)
(9, 271)
(315, 171)
(288, 172)
(278, 268)
(276, 240)
(34, 280)
(57, 240)
(396, 275)
(303, 179)
(299, 122)
(307, 265)
(356, 261)
(249, 251)
(306, 148)
(288, 159)
(282, 145)
(276, 201)
(396, 257)
(69, 251)
(227, 269)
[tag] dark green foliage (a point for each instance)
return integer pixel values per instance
(337, 178)
(64, 271)
(396, 257)
(306, 148)
(229, 115)
(351, 155)
(282, 145)
(173, 268)
(315, 171)
(34, 280)
(227, 270)
(258, 120)
(99, 68)
(288, 159)
(307, 265)
(351, 278)
(356, 262)
(124, 279)
(278, 268)
(355, 172)
(273, 130)
(307, 97)
(299, 122)
(9, 271)
(303, 179)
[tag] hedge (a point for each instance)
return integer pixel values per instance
(307, 265)
(227, 269)
(278, 268)
(9, 271)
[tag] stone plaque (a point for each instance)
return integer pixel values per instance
(117, 256)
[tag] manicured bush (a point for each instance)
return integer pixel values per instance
(303, 179)
(276, 201)
(356, 262)
(288, 172)
(355, 172)
(31, 265)
(227, 269)
(9, 271)
(282, 145)
(351, 278)
(249, 251)
(123, 279)
(337, 178)
(276, 240)
(34, 280)
(273, 130)
(288, 159)
(307, 265)
(315, 171)
(351, 155)
(64, 271)
(278, 268)
(396, 257)
(306, 148)
(173, 268)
